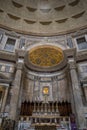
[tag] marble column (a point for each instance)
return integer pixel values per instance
(84, 85)
(57, 111)
(15, 92)
(49, 108)
(85, 91)
(77, 100)
(42, 109)
(45, 108)
(38, 106)
(34, 107)
(53, 107)
(4, 100)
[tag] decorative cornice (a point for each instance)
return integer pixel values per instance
(20, 53)
(12, 34)
(3, 76)
(79, 33)
(5, 81)
(76, 56)
(70, 53)
(71, 31)
(81, 56)
(7, 56)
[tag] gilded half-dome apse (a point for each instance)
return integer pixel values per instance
(45, 56)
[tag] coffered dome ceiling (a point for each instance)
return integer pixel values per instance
(43, 17)
(45, 56)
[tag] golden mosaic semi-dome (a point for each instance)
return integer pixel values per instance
(45, 56)
(43, 17)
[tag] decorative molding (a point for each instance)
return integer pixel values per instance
(73, 55)
(71, 31)
(7, 81)
(79, 32)
(7, 56)
(20, 53)
(3, 76)
(12, 34)
(70, 53)
(81, 56)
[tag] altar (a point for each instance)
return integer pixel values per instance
(45, 127)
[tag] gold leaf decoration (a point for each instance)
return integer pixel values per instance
(46, 56)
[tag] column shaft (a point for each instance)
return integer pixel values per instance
(77, 96)
(15, 94)
(4, 100)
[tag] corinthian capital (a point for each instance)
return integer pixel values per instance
(72, 64)
(19, 65)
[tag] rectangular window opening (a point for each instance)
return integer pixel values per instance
(7, 68)
(82, 43)
(10, 44)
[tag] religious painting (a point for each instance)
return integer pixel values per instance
(45, 90)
